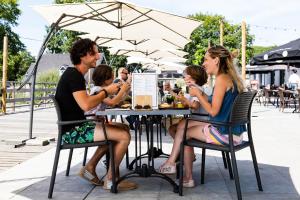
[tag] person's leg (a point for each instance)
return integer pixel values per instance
(197, 133)
(172, 130)
(178, 139)
(188, 163)
(121, 138)
(92, 163)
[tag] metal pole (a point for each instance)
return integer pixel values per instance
(32, 76)
(221, 32)
(32, 91)
(244, 42)
(4, 73)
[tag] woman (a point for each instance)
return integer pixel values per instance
(217, 62)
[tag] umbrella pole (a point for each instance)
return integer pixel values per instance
(33, 74)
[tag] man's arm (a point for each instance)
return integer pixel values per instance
(87, 102)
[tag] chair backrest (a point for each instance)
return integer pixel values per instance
(241, 110)
(57, 108)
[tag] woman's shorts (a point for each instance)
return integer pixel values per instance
(80, 134)
(213, 136)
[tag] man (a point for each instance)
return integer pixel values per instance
(294, 80)
(122, 77)
(73, 100)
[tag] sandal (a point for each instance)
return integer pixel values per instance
(187, 183)
(167, 169)
(88, 176)
(122, 186)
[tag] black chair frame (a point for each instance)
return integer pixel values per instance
(61, 146)
(240, 114)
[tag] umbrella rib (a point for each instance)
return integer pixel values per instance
(142, 14)
(92, 11)
(82, 18)
(101, 14)
(157, 22)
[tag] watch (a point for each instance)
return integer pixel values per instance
(105, 92)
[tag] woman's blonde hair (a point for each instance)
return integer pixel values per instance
(226, 64)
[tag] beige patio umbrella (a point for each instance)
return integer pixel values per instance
(110, 19)
(155, 55)
(137, 44)
(119, 20)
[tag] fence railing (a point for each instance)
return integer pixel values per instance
(20, 99)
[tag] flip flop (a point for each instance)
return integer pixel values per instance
(88, 176)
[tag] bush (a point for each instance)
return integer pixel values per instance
(51, 76)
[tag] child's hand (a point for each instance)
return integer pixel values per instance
(125, 86)
(112, 88)
(129, 79)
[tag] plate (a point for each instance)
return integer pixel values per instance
(126, 105)
(172, 108)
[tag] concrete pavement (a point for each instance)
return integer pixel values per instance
(277, 143)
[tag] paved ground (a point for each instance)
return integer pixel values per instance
(15, 127)
(276, 137)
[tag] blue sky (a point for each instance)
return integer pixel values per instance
(273, 22)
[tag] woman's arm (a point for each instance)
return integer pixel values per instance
(214, 107)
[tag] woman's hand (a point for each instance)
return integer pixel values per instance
(194, 91)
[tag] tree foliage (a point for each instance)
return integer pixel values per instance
(259, 49)
(18, 58)
(209, 34)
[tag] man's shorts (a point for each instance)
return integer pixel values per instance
(213, 136)
(80, 134)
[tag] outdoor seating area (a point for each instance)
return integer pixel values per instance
(279, 98)
(279, 173)
(145, 100)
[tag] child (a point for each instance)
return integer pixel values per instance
(102, 77)
(196, 76)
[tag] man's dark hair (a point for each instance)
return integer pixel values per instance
(80, 49)
(101, 74)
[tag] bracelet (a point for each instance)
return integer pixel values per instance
(105, 92)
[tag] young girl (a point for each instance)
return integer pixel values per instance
(192, 75)
(217, 62)
(102, 77)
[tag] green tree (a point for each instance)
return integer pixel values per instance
(208, 33)
(259, 49)
(18, 58)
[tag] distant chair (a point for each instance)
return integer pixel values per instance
(285, 100)
(61, 146)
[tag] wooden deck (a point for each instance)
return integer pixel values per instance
(15, 127)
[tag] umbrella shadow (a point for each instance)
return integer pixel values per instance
(277, 184)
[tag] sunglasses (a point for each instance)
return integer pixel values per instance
(124, 73)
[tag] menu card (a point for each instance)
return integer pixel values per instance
(144, 90)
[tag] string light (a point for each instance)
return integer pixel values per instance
(32, 39)
(275, 28)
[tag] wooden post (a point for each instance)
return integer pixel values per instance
(221, 32)
(4, 73)
(244, 42)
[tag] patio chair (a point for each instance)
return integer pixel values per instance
(285, 100)
(61, 146)
(240, 114)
